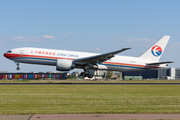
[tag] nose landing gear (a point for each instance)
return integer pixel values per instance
(18, 68)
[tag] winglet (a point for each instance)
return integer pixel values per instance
(126, 49)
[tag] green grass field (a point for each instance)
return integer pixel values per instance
(50, 99)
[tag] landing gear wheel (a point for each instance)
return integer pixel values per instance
(86, 75)
(18, 68)
(90, 76)
(83, 74)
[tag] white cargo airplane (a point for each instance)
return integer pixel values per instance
(68, 60)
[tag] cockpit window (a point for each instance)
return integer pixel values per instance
(9, 51)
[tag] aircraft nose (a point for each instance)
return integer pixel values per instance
(7, 55)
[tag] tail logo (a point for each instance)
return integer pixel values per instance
(156, 50)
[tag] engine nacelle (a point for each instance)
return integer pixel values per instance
(64, 65)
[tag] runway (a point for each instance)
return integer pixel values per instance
(89, 116)
(89, 83)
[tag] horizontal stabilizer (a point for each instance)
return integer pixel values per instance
(159, 63)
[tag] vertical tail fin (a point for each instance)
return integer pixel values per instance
(155, 52)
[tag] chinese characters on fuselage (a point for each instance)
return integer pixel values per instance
(53, 53)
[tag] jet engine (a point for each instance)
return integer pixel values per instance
(64, 65)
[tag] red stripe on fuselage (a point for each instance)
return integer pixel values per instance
(11, 55)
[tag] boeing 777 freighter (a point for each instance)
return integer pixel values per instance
(68, 60)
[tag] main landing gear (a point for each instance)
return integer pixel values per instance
(87, 72)
(18, 68)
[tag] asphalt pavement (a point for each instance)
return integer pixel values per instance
(89, 83)
(90, 117)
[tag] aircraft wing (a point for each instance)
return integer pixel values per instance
(159, 63)
(93, 60)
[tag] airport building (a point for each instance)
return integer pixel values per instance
(161, 74)
(33, 76)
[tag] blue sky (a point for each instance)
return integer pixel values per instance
(91, 26)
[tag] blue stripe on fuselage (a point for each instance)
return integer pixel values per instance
(33, 58)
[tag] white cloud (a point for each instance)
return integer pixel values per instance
(90, 34)
(28, 39)
(178, 43)
(134, 41)
(17, 37)
(67, 34)
(20, 39)
(31, 39)
(35, 39)
(48, 37)
(98, 49)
